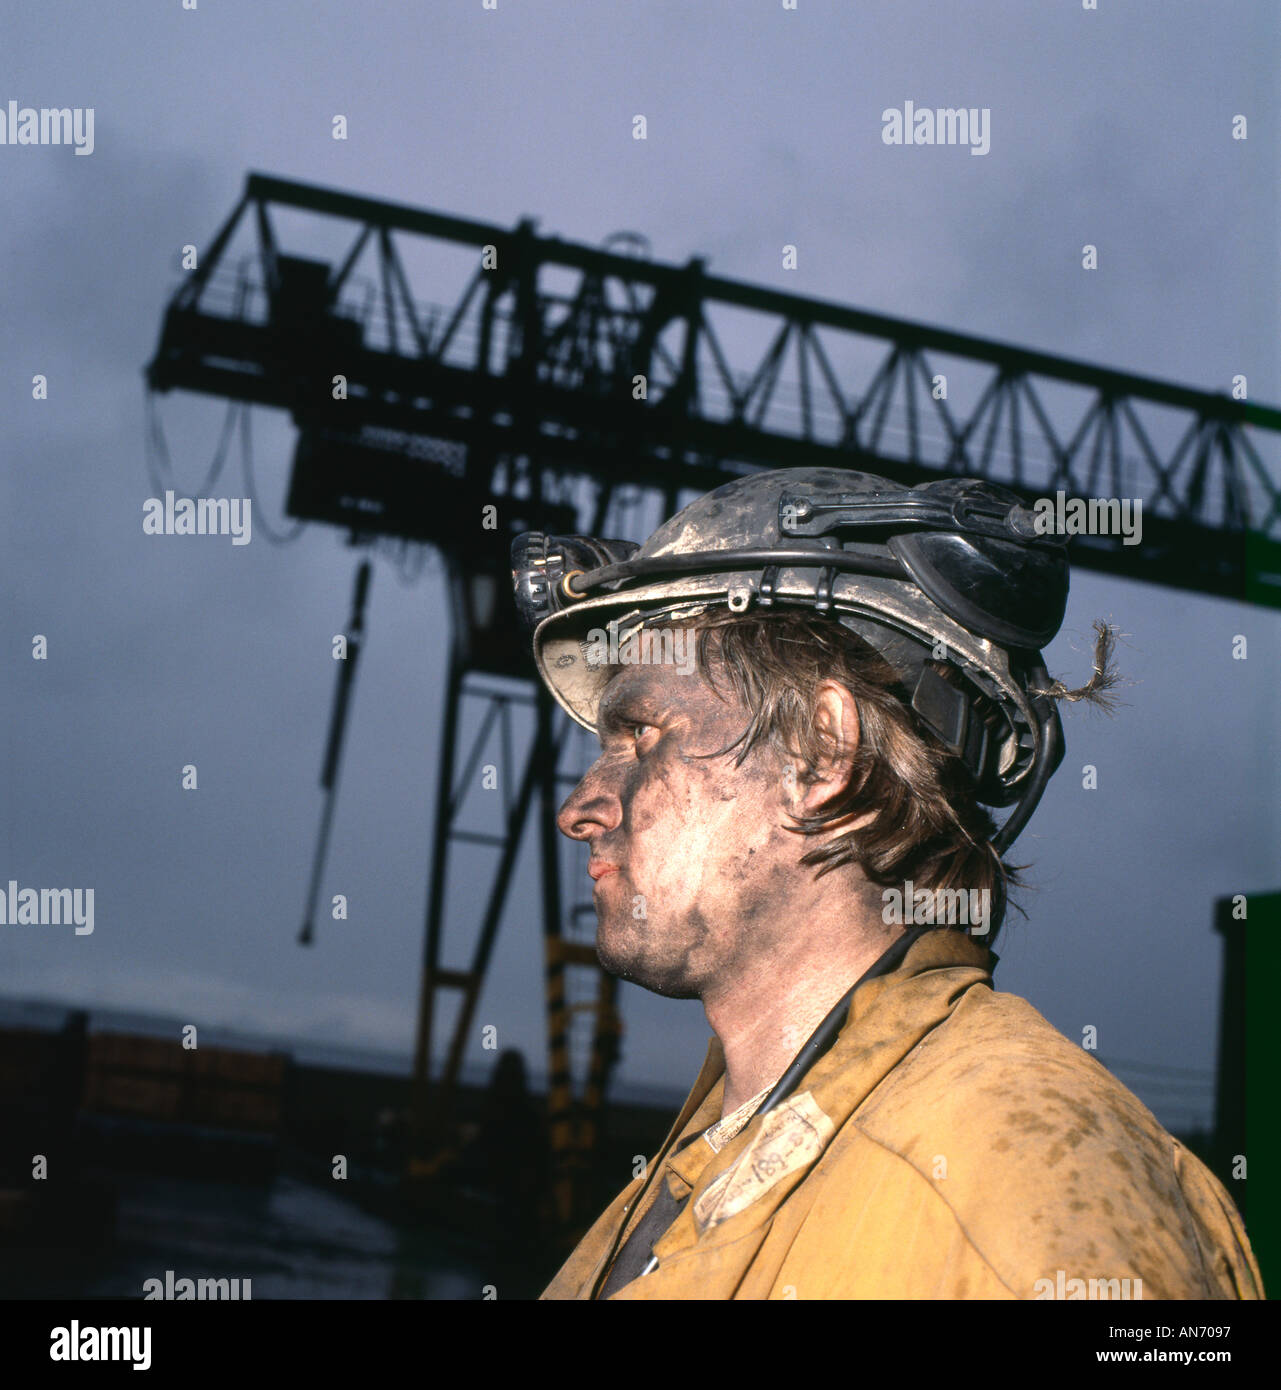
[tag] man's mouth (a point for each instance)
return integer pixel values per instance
(598, 868)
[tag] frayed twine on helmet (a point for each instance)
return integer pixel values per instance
(1105, 677)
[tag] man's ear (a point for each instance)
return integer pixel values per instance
(836, 723)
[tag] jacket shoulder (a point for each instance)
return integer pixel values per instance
(1050, 1165)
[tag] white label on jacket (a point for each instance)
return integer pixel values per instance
(790, 1137)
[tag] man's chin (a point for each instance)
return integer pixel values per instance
(624, 956)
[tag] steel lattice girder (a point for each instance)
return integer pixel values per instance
(542, 353)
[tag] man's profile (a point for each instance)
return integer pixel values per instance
(795, 828)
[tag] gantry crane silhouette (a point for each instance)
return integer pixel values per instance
(575, 388)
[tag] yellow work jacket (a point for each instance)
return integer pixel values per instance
(951, 1144)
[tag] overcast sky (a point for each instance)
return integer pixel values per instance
(764, 128)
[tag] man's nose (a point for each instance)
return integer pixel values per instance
(591, 808)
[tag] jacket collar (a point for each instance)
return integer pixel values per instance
(888, 1017)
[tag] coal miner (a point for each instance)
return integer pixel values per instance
(811, 688)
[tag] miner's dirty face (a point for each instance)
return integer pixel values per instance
(690, 854)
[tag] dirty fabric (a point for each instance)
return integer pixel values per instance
(638, 1247)
(951, 1144)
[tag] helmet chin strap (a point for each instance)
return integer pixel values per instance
(1049, 754)
(949, 713)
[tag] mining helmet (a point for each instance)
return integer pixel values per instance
(954, 570)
